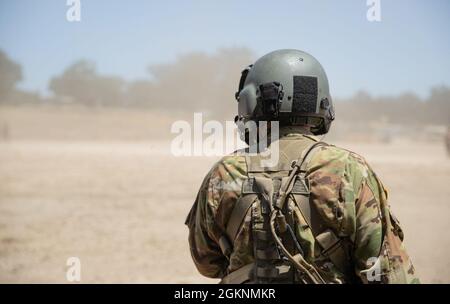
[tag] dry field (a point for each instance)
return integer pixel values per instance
(120, 207)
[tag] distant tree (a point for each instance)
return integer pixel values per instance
(194, 82)
(10, 75)
(406, 108)
(80, 83)
(200, 82)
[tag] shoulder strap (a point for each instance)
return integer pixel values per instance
(238, 215)
(307, 155)
(302, 199)
(331, 245)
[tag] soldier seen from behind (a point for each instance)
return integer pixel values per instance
(319, 215)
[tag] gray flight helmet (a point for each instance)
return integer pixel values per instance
(289, 86)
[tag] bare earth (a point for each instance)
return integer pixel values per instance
(120, 208)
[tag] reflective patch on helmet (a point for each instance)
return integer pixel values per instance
(305, 94)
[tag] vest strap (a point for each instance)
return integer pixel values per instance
(238, 214)
(239, 276)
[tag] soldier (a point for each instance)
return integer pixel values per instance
(319, 215)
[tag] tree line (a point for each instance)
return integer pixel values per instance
(202, 82)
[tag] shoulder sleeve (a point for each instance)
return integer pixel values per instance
(209, 214)
(205, 251)
(378, 251)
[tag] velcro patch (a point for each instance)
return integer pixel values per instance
(305, 94)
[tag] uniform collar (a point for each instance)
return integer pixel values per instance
(293, 132)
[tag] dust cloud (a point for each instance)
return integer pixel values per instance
(88, 171)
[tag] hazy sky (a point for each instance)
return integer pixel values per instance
(407, 51)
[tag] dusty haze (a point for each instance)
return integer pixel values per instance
(89, 184)
(88, 171)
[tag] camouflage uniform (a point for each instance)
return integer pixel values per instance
(346, 193)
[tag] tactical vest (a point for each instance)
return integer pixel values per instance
(271, 195)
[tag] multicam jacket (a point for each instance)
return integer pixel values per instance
(347, 195)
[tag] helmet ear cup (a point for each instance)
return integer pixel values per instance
(324, 127)
(248, 101)
(269, 97)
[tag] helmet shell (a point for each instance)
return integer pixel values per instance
(306, 96)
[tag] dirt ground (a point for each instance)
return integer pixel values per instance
(120, 208)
